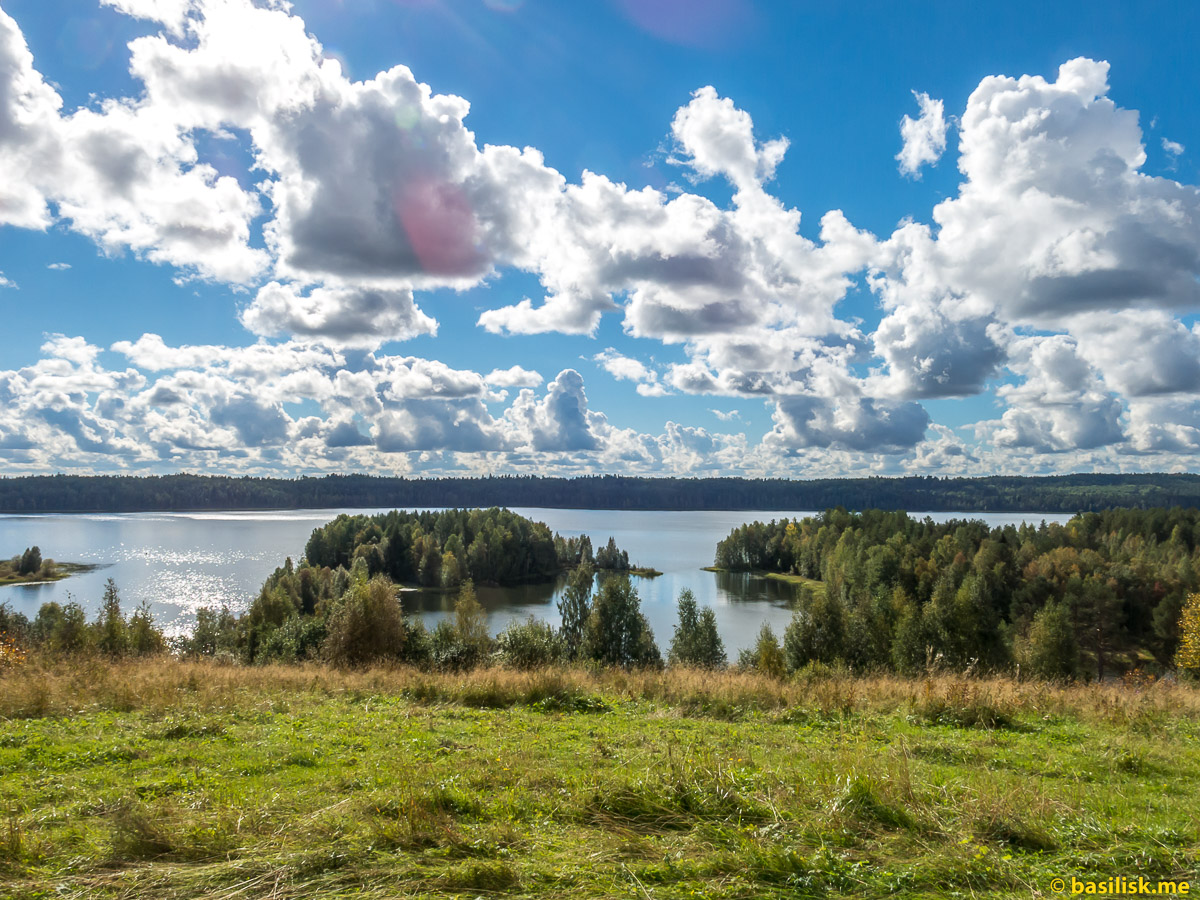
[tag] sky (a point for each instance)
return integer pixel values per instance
(654, 237)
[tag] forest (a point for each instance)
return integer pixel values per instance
(1059, 493)
(442, 549)
(1100, 594)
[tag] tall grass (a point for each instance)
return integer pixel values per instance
(60, 687)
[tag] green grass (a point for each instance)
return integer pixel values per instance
(173, 780)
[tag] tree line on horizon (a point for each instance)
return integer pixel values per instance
(1051, 494)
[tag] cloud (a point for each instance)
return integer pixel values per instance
(849, 423)
(514, 376)
(1055, 256)
(622, 367)
(561, 421)
(725, 416)
(6, 282)
(924, 137)
(58, 266)
(347, 316)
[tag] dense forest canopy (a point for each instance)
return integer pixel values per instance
(1060, 493)
(1101, 589)
(489, 546)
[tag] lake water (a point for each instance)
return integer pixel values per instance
(179, 562)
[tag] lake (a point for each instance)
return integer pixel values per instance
(179, 562)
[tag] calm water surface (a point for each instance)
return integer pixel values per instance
(180, 562)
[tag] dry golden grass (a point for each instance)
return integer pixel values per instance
(57, 687)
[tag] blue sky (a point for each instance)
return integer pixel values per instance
(714, 237)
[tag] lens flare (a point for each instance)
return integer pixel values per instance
(441, 228)
(695, 23)
(505, 6)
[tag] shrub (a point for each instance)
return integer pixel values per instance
(366, 626)
(529, 645)
(765, 656)
(297, 639)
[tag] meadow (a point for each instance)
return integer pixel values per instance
(166, 778)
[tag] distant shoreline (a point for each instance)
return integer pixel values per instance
(25, 495)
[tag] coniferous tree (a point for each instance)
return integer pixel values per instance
(696, 641)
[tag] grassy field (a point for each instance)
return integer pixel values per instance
(167, 779)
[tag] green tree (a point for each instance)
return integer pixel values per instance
(1051, 650)
(31, 561)
(143, 638)
(470, 624)
(617, 633)
(574, 607)
(696, 641)
(817, 632)
(111, 628)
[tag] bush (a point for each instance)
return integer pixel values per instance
(765, 656)
(529, 645)
(297, 639)
(464, 643)
(366, 626)
(696, 641)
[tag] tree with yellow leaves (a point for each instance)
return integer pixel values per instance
(1188, 654)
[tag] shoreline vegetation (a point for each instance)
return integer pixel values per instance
(189, 492)
(30, 568)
